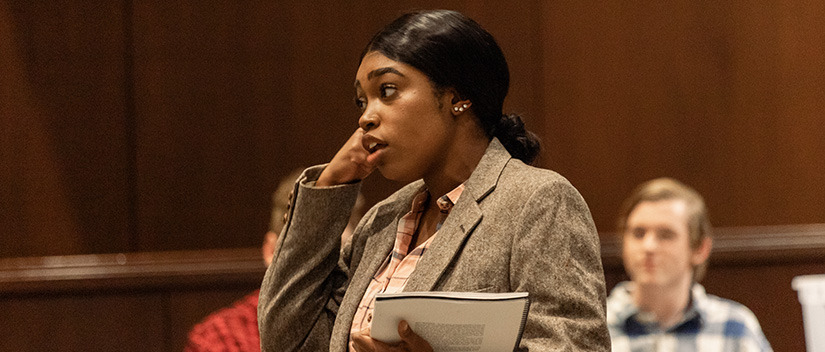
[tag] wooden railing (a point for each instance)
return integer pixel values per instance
(131, 271)
(753, 265)
(749, 245)
(732, 246)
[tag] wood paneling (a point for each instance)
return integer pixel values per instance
(220, 115)
(119, 302)
(151, 300)
(208, 87)
(62, 78)
(130, 271)
(83, 323)
(143, 126)
(138, 126)
(725, 97)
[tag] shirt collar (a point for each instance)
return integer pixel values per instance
(445, 202)
(627, 314)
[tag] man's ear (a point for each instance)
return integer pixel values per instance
(701, 253)
(268, 248)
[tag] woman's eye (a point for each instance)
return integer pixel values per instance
(361, 103)
(387, 91)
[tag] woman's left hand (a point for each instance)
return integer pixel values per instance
(410, 341)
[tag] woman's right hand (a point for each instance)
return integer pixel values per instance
(349, 164)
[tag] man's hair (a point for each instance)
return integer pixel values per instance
(280, 200)
(664, 188)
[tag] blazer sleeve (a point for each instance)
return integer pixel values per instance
(556, 259)
(304, 285)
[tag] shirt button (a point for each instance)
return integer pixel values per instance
(369, 318)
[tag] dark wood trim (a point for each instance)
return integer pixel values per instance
(132, 271)
(188, 269)
(734, 246)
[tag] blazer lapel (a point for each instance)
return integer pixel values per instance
(376, 249)
(446, 245)
(379, 245)
(461, 222)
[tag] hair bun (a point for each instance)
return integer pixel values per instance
(521, 143)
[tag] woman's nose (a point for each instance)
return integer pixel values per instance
(368, 121)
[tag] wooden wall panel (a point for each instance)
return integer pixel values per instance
(150, 301)
(83, 323)
(119, 302)
(726, 97)
(64, 166)
(204, 98)
(145, 126)
(219, 116)
(110, 320)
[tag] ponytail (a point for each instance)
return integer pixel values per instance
(453, 51)
(521, 143)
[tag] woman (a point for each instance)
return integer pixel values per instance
(475, 217)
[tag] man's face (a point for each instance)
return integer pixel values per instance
(656, 246)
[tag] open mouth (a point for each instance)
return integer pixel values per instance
(375, 146)
(372, 144)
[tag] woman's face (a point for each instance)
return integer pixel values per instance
(408, 126)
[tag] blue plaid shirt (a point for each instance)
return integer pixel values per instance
(710, 324)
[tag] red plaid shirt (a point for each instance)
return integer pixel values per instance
(232, 329)
(393, 274)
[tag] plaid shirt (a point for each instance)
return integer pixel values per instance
(710, 324)
(393, 274)
(232, 329)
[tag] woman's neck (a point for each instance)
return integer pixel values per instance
(459, 162)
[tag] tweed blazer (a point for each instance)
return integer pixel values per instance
(514, 228)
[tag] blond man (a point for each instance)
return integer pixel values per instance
(666, 242)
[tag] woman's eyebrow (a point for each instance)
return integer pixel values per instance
(378, 72)
(383, 70)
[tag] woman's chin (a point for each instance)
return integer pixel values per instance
(396, 175)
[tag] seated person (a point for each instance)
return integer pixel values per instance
(235, 328)
(666, 241)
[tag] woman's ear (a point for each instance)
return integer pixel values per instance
(457, 104)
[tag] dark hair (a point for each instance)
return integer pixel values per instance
(455, 52)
